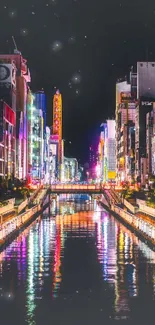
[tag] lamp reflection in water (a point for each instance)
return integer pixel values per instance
(30, 305)
(57, 257)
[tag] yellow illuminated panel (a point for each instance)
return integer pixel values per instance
(111, 175)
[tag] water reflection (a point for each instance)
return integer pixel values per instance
(81, 259)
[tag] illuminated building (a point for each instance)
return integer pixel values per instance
(109, 158)
(47, 155)
(57, 129)
(38, 138)
(70, 169)
(30, 99)
(125, 119)
(100, 165)
(53, 157)
(7, 116)
(149, 134)
(153, 143)
(93, 158)
(13, 90)
(130, 158)
(7, 141)
(40, 104)
(145, 97)
(37, 144)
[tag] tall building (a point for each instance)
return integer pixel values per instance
(35, 143)
(134, 109)
(30, 99)
(122, 87)
(146, 97)
(125, 120)
(100, 165)
(57, 130)
(47, 155)
(109, 156)
(8, 95)
(40, 104)
(14, 81)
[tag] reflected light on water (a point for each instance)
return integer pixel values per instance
(30, 305)
(50, 259)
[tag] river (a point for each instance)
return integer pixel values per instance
(77, 265)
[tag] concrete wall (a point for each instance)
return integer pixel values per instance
(129, 206)
(8, 207)
(145, 209)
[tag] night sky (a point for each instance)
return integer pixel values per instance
(80, 47)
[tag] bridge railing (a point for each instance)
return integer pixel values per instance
(75, 187)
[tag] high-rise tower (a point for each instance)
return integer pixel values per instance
(57, 127)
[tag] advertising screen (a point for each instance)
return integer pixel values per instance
(8, 74)
(53, 149)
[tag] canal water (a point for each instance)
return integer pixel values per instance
(77, 265)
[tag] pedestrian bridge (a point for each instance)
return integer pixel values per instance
(76, 188)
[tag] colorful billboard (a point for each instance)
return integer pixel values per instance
(8, 74)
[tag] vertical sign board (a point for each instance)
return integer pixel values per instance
(1, 121)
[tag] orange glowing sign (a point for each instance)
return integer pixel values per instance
(57, 121)
(57, 115)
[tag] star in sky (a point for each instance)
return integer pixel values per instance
(56, 46)
(24, 32)
(77, 92)
(12, 13)
(76, 78)
(72, 40)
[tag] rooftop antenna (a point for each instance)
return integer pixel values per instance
(15, 46)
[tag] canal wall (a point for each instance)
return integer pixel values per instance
(134, 209)
(10, 206)
(141, 228)
(143, 207)
(10, 229)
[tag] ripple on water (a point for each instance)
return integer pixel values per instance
(77, 268)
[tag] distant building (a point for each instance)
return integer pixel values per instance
(109, 155)
(53, 156)
(93, 159)
(70, 169)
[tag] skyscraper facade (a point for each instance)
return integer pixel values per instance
(14, 88)
(125, 121)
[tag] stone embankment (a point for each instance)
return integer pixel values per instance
(141, 223)
(10, 228)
